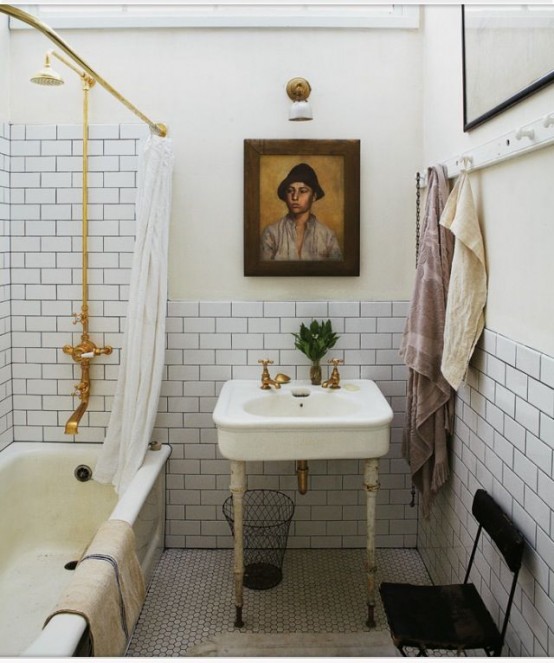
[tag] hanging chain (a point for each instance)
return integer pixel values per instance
(418, 211)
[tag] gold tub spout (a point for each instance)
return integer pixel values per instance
(83, 391)
(71, 427)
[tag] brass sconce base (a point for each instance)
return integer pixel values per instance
(298, 89)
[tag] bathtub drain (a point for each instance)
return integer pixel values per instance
(83, 473)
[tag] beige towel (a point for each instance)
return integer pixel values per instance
(107, 589)
(467, 293)
(429, 407)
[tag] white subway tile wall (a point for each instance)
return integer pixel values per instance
(211, 342)
(504, 428)
(504, 443)
(6, 401)
(46, 268)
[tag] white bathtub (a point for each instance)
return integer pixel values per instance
(47, 518)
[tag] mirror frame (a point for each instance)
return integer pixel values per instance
(516, 97)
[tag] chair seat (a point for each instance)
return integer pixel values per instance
(439, 617)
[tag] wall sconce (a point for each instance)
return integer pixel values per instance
(299, 90)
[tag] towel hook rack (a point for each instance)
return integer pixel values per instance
(504, 147)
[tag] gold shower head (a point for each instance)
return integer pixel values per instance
(47, 76)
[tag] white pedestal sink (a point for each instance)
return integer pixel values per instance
(302, 422)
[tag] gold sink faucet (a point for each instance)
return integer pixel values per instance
(334, 381)
(267, 382)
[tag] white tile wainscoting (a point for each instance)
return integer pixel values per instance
(505, 427)
(211, 342)
(504, 443)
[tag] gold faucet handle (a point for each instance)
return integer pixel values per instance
(266, 378)
(81, 317)
(94, 352)
(106, 350)
(334, 381)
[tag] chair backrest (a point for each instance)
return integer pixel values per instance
(500, 528)
(509, 540)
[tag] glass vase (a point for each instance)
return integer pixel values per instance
(315, 372)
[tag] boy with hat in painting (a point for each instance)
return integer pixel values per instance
(299, 235)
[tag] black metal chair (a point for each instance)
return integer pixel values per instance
(454, 617)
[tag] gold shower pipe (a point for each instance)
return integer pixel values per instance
(87, 349)
(156, 127)
(84, 309)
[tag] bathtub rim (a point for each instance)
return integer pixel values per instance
(63, 633)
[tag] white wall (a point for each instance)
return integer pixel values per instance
(4, 68)
(6, 402)
(515, 199)
(214, 88)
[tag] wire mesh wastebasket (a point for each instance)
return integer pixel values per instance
(266, 522)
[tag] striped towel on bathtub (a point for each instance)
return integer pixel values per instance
(107, 589)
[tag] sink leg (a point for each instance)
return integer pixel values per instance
(238, 488)
(238, 617)
(371, 484)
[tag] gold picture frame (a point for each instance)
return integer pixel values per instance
(331, 244)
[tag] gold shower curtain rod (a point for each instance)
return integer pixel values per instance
(157, 127)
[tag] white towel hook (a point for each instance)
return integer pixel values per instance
(548, 120)
(525, 131)
(464, 162)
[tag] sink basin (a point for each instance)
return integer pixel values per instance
(301, 421)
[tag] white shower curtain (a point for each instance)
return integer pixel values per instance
(140, 374)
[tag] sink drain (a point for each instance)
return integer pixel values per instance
(71, 566)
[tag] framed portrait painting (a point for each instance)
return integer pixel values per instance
(301, 207)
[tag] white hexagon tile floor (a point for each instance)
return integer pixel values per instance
(190, 599)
